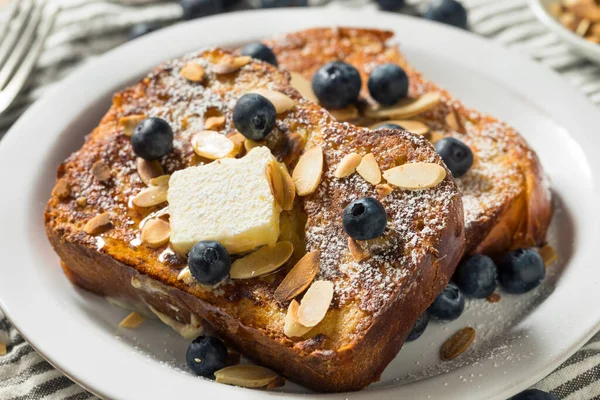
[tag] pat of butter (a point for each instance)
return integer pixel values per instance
(228, 200)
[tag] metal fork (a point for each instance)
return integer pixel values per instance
(21, 45)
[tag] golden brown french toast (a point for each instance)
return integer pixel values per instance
(376, 300)
(507, 202)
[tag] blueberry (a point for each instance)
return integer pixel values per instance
(419, 327)
(534, 394)
(142, 29)
(283, 3)
(152, 139)
(389, 126)
(449, 12)
(364, 219)
(261, 52)
(388, 83)
(254, 116)
(449, 305)
(200, 8)
(390, 5)
(209, 262)
(521, 270)
(206, 355)
(476, 276)
(336, 84)
(457, 156)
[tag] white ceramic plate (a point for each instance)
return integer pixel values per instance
(579, 45)
(520, 339)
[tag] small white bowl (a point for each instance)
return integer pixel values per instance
(578, 44)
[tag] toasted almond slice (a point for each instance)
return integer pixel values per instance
(162, 180)
(369, 169)
(130, 122)
(281, 101)
(214, 123)
(131, 321)
(308, 171)
(186, 276)
(383, 189)
(410, 125)
(289, 188)
(315, 303)
(229, 64)
(193, 72)
(101, 171)
(156, 232)
(261, 262)
(299, 277)
(548, 254)
(97, 224)
(151, 196)
(454, 122)
(61, 189)
(406, 108)
(148, 169)
(415, 175)
(357, 252)
(276, 181)
(212, 145)
(436, 136)
(457, 343)
(238, 143)
(277, 383)
(249, 376)
(345, 114)
(2, 349)
(81, 201)
(303, 86)
(249, 144)
(291, 326)
(347, 165)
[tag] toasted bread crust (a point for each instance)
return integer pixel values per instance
(376, 301)
(506, 196)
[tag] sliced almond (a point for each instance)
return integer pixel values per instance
(303, 86)
(186, 276)
(436, 136)
(357, 252)
(101, 171)
(548, 254)
(315, 303)
(229, 64)
(276, 181)
(238, 143)
(281, 101)
(454, 122)
(410, 125)
(212, 145)
(214, 123)
(308, 171)
(97, 224)
(457, 343)
(81, 201)
(249, 376)
(369, 169)
(347, 165)
(299, 277)
(130, 122)
(289, 188)
(156, 232)
(261, 262)
(61, 189)
(249, 144)
(151, 196)
(131, 321)
(193, 72)
(2, 349)
(345, 114)
(406, 108)
(291, 326)
(277, 383)
(162, 180)
(383, 189)
(415, 176)
(148, 169)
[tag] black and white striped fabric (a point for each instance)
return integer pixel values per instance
(88, 28)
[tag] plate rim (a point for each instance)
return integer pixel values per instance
(12, 139)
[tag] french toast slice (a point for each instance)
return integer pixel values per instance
(506, 196)
(376, 301)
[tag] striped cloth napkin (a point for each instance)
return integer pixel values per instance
(88, 28)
